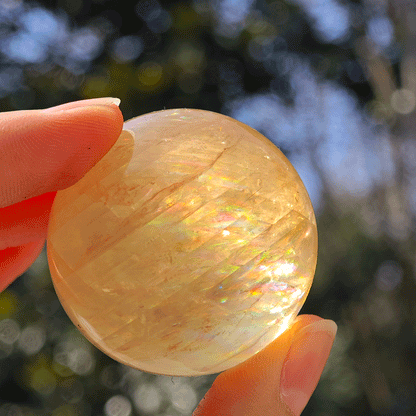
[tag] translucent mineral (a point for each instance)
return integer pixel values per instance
(188, 248)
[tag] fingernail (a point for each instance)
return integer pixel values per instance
(305, 362)
(85, 103)
(106, 101)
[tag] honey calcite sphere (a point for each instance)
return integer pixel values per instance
(188, 248)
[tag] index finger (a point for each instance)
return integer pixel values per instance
(44, 151)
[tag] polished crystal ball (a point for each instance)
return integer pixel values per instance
(188, 248)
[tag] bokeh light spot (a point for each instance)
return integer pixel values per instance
(330, 18)
(43, 381)
(96, 87)
(42, 25)
(9, 304)
(150, 74)
(84, 44)
(32, 339)
(127, 48)
(147, 398)
(9, 331)
(190, 58)
(24, 48)
(380, 30)
(184, 398)
(389, 275)
(403, 101)
(118, 406)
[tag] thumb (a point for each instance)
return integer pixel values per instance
(279, 380)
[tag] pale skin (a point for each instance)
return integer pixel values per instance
(43, 151)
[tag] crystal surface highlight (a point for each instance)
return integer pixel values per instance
(188, 248)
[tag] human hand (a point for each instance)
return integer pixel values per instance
(280, 379)
(43, 151)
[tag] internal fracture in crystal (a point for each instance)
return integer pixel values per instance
(188, 248)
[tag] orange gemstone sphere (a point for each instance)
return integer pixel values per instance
(188, 248)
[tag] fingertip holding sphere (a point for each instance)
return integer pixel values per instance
(188, 248)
